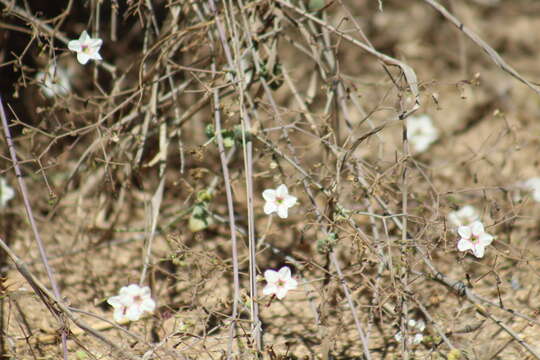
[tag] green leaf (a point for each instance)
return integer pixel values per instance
(200, 219)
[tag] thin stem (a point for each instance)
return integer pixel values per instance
(228, 187)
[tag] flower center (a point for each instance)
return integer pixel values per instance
(280, 199)
(138, 299)
(86, 49)
(281, 283)
(418, 132)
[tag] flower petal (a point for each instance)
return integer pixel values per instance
(75, 45)
(95, 43)
(477, 228)
(132, 290)
(532, 184)
(417, 339)
(283, 211)
(148, 305)
(289, 201)
(84, 36)
(478, 251)
(95, 56)
(485, 239)
(82, 58)
(453, 218)
(271, 276)
(281, 292)
(270, 289)
(115, 301)
(536, 195)
(282, 191)
(145, 291)
(269, 195)
(420, 144)
(465, 232)
(6, 193)
(133, 313)
(284, 273)
(119, 315)
(468, 211)
(464, 245)
(270, 207)
(124, 290)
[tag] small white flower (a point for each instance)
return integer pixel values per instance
(417, 339)
(464, 216)
(279, 282)
(473, 237)
(421, 133)
(416, 327)
(6, 192)
(53, 81)
(86, 48)
(279, 201)
(533, 185)
(131, 303)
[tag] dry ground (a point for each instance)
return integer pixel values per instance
(93, 160)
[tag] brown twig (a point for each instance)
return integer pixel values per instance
(494, 55)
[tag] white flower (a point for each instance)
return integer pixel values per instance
(533, 185)
(278, 201)
(86, 48)
(53, 81)
(417, 339)
(464, 216)
(279, 282)
(421, 133)
(131, 303)
(473, 237)
(413, 326)
(6, 192)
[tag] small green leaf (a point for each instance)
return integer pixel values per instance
(228, 142)
(210, 131)
(204, 196)
(200, 218)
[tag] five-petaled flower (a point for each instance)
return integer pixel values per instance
(421, 133)
(279, 201)
(413, 326)
(279, 282)
(533, 185)
(86, 48)
(6, 192)
(131, 303)
(473, 237)
(54, 81)
(464, 216)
